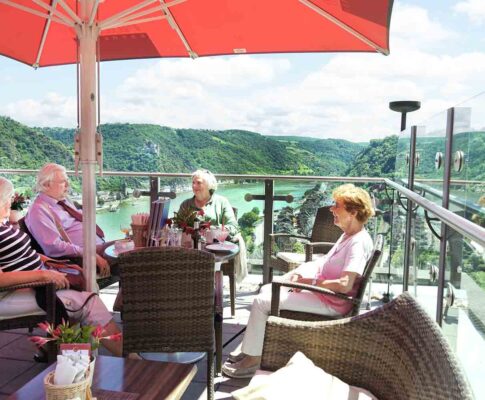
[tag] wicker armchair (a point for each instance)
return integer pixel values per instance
(324, 235)
(168, 302)
(102, 282)
(30, 321)
(356, 301)
(395, 351)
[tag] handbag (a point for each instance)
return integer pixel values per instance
(74, 273)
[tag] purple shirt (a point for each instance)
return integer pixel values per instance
(40, 221)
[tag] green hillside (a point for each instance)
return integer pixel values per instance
(377, 159)
(144, 147)
(24, 147)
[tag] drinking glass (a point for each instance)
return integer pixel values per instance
(125, 228)
(221, 235)
(157, 236)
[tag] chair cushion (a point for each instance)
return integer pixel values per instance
(19, 303)
(299, 379)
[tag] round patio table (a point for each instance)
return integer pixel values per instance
(221, 256)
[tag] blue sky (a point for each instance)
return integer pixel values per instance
(437, 57)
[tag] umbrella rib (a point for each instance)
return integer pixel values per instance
(70, 12)
(115, 18)
(344, 26)
(137, 21)
(93, 13)
(35, 12)
(54, 11)
(177, 29)
(131, 17)
(44, 36)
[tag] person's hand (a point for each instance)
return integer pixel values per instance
(103, 266)
(58, 278)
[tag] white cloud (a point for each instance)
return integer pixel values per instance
(473, 9)
(52, 110)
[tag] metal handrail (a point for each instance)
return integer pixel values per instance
(221, 176)
(465, 227)
(459, 224)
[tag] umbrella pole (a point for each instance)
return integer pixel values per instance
(88, 36)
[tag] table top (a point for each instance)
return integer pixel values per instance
(124, 379)
(220, 256)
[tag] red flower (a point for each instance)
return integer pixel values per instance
(169, 222)
(115, 337)
(201, 212)
(40, 341)
(98, 331)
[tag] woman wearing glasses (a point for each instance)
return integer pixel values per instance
(340, 271)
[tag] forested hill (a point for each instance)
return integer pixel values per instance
(377, 159)
(143, 147)
(27, 148)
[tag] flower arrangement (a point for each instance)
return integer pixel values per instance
(67, 333)
(18, 201)
(185, 218)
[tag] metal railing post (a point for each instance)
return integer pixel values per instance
(268, 227)
(154, 187)
(450, 122)
(409, 214)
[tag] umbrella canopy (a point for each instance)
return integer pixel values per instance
(55, 32)
(45, 32)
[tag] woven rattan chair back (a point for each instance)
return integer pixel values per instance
(168, 302)
(357, 300)
(395, 351)
(324, 230)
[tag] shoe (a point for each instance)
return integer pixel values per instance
(235, 357)
(239, 373)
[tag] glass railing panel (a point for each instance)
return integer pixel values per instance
(402, 157)
(428, 182)
(465, 268)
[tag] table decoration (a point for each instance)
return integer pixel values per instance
(78, 346)
(18, 202)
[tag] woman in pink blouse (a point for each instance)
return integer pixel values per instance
(340, 271)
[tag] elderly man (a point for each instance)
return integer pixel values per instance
(55, 222)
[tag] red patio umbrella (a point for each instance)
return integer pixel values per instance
(54, 32)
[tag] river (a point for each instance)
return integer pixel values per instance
(110, 221)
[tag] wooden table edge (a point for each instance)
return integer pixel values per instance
(180, 389)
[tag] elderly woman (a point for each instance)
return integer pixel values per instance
(340, 271)
(19, 264)
(215, 207)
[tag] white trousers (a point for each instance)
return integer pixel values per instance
(303, 301)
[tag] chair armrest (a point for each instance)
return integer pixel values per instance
(309, 248)
(289, 235)
(25, 285)
(277, 284)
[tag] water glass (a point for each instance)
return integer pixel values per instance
(157, 237)
(221, 234)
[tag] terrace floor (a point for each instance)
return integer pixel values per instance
(17, 366)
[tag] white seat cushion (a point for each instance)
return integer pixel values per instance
(19, 303)
(300, 379)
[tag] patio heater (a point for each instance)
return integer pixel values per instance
(402, 106)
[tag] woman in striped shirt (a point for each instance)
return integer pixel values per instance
(19, 264)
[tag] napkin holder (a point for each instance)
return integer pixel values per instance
(139, 234)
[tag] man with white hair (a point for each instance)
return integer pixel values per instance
(55, 222)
